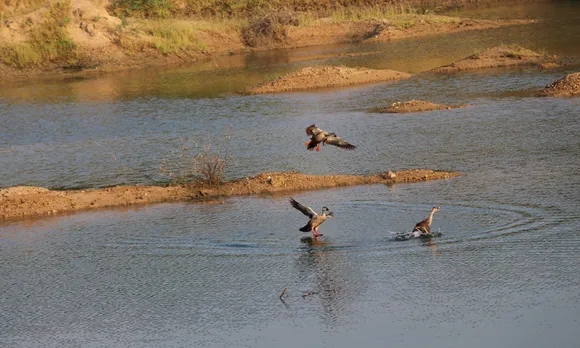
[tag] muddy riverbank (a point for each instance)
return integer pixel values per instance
(102, 43)
(23, 201)
(413, 106)
(325, 77)
(507, 56)
(568, 86)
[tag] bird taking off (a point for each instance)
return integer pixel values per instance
(425, 226)
(315, 219)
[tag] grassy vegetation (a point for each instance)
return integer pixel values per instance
(172, 27)
(10, 8)
(371, 12)
(20, 55)
(49, 41)
(245, 8)
(260, 22)
(165, 36)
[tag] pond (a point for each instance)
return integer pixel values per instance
(503, 273)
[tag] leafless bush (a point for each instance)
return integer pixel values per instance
(210, 166)
(195, 166)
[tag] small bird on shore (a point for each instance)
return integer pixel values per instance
(319, 136)
(425, 226)
(315, 219)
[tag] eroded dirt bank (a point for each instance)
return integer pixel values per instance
(23, 201)
(413, 106)
(324, 77)
(568, 86)
(507, 56)
(104, 43)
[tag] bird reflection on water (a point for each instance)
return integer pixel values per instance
(431, 244)
(326, 274)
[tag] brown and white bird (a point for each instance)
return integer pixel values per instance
(425, 225)
(315, 219)
(319, 136)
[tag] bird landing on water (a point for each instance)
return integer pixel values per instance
(315, 219)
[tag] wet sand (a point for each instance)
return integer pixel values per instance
(413, 106)
(324, 77)
(507, 56)
(23, 201)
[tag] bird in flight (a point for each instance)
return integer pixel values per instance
(319, 136)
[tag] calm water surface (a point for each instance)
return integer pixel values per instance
(503, 274)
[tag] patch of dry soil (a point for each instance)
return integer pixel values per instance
(505, 56)
(324, 77)
(413, 106)
(568, 86)
(22, 201)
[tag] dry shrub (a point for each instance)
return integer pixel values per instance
(268, 27)
(20, 55)
(210, 166)
(195, 167)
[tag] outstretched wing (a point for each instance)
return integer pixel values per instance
(304, 209)
(337, 141)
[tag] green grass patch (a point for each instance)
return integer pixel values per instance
(166, 36)
(20, 55)
(49, 41)
(370, 12)
(142, 8)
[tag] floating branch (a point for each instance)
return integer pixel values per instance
(282, 294)
(304, 295)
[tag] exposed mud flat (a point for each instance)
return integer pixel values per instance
(506, 56)
(568, 86)
(325, 77)
(413, 106)
(22, 201)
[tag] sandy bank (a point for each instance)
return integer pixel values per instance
(104, 43)
(22, 201)
(507, 56)
(413, 106)
(420, 26)
(324, 77)
(568, 86)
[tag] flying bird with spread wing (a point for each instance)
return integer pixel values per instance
(319, 136)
